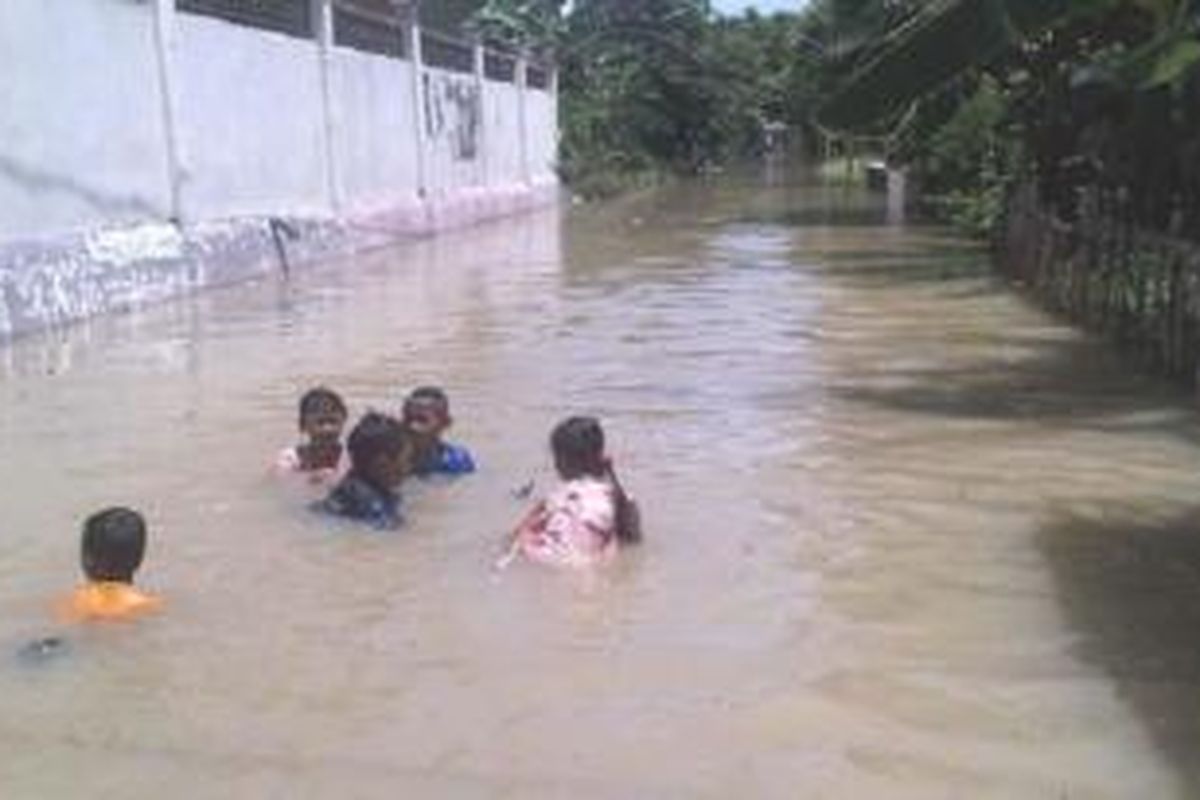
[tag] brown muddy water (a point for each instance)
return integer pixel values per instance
(908, 536)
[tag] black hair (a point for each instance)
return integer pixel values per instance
(426, 394)
(375, 434)
(435, 394)
(114, 543)
(578, 447)
(321, 399)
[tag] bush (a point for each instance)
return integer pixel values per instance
(968, 162)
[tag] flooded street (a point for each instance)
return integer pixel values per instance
(908, 537)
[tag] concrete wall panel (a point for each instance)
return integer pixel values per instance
(81, 125)
(251, 128)
(373, 130)
(503, 133)
(541, 120)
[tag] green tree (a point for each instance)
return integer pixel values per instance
(650, 86)
(1093, 100)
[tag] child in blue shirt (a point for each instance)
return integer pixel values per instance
(427, 417)
(381, 457)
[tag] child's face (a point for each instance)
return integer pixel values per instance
(323, 425)
(390, 469)
(427, 419)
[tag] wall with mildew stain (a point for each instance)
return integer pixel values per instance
(144, 151)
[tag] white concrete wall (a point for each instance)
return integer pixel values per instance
(250, 116)
(541, 121)
(375, 148)
(81, 126)
(503, 126)
(103, 110)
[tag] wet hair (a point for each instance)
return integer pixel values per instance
(375, 434)
(320, 399)
(114, 543)
(578, 447)
(426, 396)
(432, 394)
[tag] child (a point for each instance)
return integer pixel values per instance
(322, 418)
(114, 543)
(582, 521)
(381, 452)
(427, 416)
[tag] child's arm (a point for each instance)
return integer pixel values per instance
(531, 519)
(287, 461)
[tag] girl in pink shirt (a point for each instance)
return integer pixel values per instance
(583, 520)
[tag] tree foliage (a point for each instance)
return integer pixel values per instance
(1096, 101)
(654, 85)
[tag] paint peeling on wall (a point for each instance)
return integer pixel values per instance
(47, 284)
(145, 242)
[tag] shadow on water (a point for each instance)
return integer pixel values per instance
(876, 269)
(821, 216)
(1019, 370)
(1065, 382)
(1131, 591)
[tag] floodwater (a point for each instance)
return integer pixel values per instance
(908, 537)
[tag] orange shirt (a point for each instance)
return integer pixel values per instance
(105, 600)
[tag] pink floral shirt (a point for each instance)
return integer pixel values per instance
(575, 526)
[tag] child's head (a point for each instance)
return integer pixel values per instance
(381, 450)
(322, 414)
(578, 447)
(427, 411)
(114, 542)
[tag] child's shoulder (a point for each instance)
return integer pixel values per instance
(586, 484)
(289, 464)
(586, 492)
(103, 601)
(354, 498)
(455, 459)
